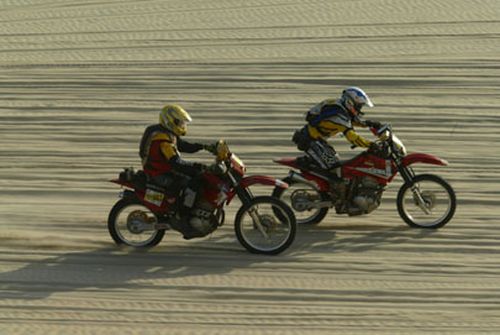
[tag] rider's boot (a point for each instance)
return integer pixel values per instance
(188, 198)
(337, 183)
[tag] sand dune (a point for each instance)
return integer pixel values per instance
(80, 81)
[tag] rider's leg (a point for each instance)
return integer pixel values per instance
(325, 157)
(186, 204)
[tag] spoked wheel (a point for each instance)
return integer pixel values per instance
(260, 230)
(301, 198)
(427, 202)
(131, 223)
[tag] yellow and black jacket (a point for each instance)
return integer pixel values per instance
(160, 152)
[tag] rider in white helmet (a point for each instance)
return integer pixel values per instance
(327, 119)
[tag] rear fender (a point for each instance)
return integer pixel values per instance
(128, 192)
(287, 161)
(122, 183)
(423, 158)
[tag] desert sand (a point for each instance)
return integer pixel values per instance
(81, 79)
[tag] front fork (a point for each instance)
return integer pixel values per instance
(408, 175)
(419, 200)
(254, 214)
(245, 195)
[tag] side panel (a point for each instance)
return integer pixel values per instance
(383, 170)
(321, 182)
(158, 203)
(214, 190)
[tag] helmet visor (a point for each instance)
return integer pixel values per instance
(358, 106)
(365, 101)
(358, 97)
(180, 123)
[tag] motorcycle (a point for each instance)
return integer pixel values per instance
(145, 211)
(423, 201)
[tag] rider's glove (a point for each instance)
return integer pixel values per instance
(200, 167)
(212, 148)
(217, 168)
(373, 124)
(375, 147)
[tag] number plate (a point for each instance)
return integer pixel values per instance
(154, 197)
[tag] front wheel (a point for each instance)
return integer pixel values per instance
(131, 223)
(265, 225)
(428, 201)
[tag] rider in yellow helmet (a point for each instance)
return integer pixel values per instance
(160, 149)
(161, 144)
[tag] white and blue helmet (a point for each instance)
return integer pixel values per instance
(354, 98)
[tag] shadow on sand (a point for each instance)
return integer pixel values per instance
(121, 268)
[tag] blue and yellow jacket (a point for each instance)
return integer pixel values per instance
(332, 119)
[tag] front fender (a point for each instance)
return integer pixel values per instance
(423, 158)
(262, 180)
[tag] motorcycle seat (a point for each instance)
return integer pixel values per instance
(306, 163)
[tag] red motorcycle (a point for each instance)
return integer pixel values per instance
(263, 224)
(424, 201)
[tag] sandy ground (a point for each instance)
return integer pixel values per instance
(81, 79)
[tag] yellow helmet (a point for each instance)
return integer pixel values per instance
(175, 119)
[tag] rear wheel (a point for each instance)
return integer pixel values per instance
(428, 201)
(131, 223)
(301, 197)
(260, 230)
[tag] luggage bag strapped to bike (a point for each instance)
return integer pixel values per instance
(138, 179)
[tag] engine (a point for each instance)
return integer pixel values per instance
(202, 218)
(366, 197)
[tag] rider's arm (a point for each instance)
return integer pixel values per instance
(186, 167)
(366, 123)
(333, 128)
(356, 139)
(185, 146)
(359, 123)
(169, 151)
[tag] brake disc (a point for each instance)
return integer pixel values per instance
(136, 221)
(301, 200)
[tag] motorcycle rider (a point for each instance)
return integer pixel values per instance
(327, 119)
(160, 149)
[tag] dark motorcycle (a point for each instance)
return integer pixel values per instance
(263, 224)
(424, 201)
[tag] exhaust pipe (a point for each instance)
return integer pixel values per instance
(298, 178)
